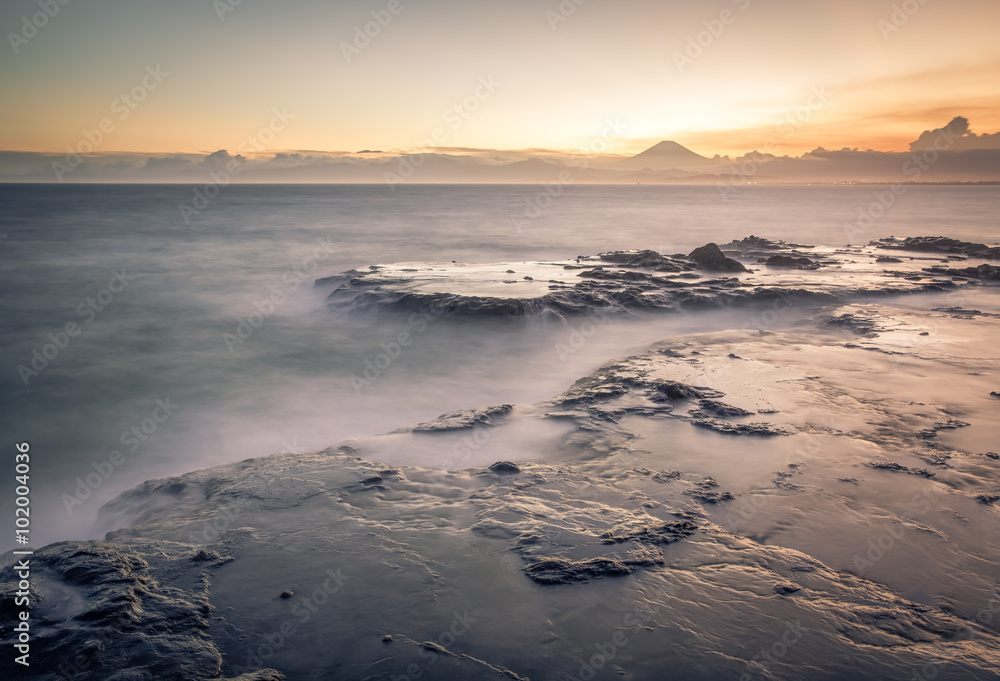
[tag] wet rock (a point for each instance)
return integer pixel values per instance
(465, 419)
(603, 288)
(128, 621)
(615, 275)
(261, 675)
(722, 409)
(867, 325)
(789, 261)
(894, 467)
(963, 313)
(667, 533)
(387, 638)
(707, 492)
(711, 497)
(786, 588)
(710, 257)
(781, 480)
(752, 243)
(672, 390)
(887, 259)
(505, 468)
(288, 593)
(986, 273)
(645, 258)
(950, 424)
(757, 429)
(938, 244)
(562, 571)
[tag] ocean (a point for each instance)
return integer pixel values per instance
(141, 341)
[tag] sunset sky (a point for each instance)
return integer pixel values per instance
(558, 77)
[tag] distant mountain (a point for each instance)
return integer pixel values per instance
(969, 158)
(667, 156)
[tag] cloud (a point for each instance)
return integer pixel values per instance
(166, 163)
(960, 136)
(221, 158)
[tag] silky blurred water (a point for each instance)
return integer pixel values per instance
(163, 334)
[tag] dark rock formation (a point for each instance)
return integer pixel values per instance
(867, 325)
(562, 571)
(758, 429)
(465, 418)
(672, 390)
(786, 589)
(707, 492)
(752, 243)
(120, 610)
(789, 261)
(938, 244)
(710, 257)
(950, 424)
(505, 468)
(645, 258)
(983, 273)
(894, 467)
(626, 282)
(615, 275)
(722, 409)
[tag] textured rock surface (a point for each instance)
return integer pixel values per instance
(939, 244)
(710, 257)
(639, 505)
(627, 282)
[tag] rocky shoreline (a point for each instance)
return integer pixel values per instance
(625, 281)
(746, 503)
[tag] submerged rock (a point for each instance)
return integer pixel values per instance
(465, 419)
(938, 244)
(786, 589)
(505, 468)
(899, 468)
(983, 272)
(562, 571)
(862, 323)
(759, 429)
(752, 242)
(788, 261)
(722, 409)
(645, 258)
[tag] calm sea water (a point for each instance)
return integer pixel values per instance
(148, 385)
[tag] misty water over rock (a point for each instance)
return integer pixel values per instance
(736, 503)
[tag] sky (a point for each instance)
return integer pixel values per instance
(720, 77)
